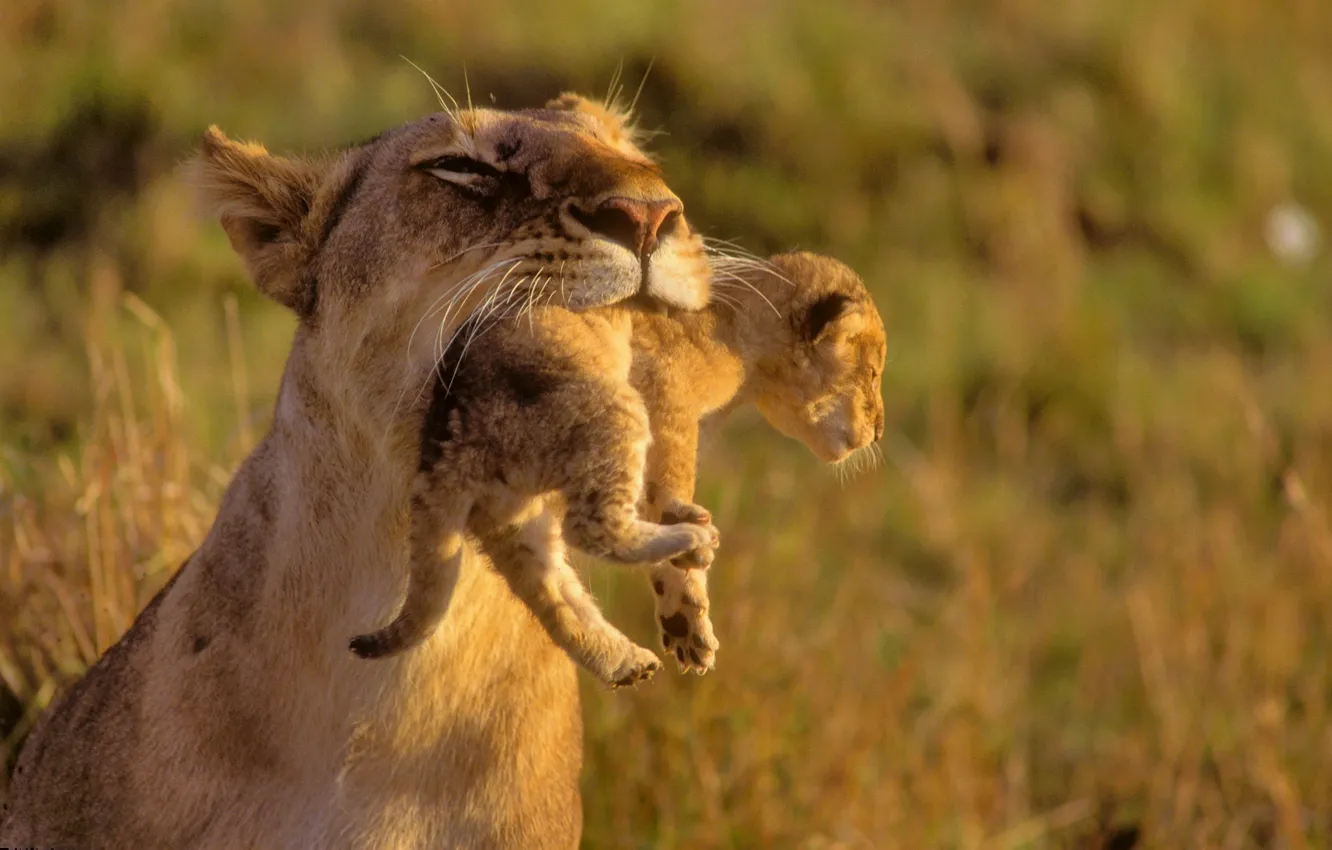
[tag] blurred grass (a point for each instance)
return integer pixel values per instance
(1083, 605)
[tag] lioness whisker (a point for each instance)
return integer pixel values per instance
(643, 82)
(440, 92)
(476, 247)
(722, 298)
(729, 262)
(613, 90)
(440, 302)
(730, 243)
(537, 285)
(481, 324)
(461, 297)
(469, 283)
(737, 279)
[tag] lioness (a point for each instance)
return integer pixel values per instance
(231, 713)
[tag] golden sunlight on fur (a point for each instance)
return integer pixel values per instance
(538, 438)
(797, 336)
(231, 713)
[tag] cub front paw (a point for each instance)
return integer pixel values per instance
(638, 665)
(677, 512)
(703, 550)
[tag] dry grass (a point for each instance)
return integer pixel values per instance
(1021, 680)
(1086, 599)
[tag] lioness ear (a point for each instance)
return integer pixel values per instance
(618, 124)
(263, 202)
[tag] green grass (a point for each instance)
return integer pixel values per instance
(1089, 591)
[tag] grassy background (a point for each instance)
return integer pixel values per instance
(1086, 602)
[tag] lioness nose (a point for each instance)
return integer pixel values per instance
(633, 223)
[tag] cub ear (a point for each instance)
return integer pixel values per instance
(618, 124)
(821, 318)
(263, 202)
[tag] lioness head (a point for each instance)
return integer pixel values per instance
(819, 379)
(420, 225)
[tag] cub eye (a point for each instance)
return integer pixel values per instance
(462, 170)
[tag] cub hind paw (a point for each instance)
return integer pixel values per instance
(686, 628)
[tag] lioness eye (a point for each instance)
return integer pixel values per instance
(459, 169)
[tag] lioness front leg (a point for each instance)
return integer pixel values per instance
(531, 558)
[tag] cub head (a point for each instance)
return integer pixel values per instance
(417, 227)
(819, 374)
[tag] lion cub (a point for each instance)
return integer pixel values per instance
(533, 437)
(544, 407)
(799, 338)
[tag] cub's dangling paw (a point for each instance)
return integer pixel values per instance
(638, 665)
(677, 513)
(681, 598)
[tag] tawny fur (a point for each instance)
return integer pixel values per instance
(546, 407)
(231, 714)
(800, 339)
(533, 439)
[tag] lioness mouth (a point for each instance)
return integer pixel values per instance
(640, 300)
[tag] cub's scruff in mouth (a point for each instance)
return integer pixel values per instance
(231, 713)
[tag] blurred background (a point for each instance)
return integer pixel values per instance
(1086, 600)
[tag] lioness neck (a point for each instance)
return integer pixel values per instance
(309, 549)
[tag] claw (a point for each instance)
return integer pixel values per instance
(680, 512)
(700, 558)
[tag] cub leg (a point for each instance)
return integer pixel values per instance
(680, 596)
(681, 601)
(602, 515)
(531, 557)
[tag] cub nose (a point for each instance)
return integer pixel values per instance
(631, 222)
(878, 429)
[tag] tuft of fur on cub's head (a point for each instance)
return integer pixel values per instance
(819, 376)
(428, 220)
